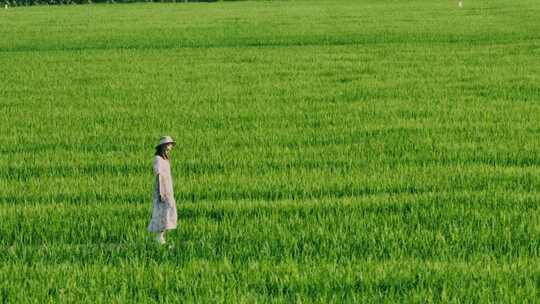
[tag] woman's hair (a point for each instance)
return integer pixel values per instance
(160, 151)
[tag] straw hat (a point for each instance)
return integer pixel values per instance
(166, 140)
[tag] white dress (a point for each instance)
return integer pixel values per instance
(164, 212)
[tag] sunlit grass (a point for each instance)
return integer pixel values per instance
(343, 151)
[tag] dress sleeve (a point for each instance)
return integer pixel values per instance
(160, 177)
(157, 165)
(161, 186)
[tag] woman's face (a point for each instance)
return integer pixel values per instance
(168, 148)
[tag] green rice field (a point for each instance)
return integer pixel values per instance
(347, 151)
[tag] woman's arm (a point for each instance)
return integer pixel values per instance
(160, 179)
(161, 187)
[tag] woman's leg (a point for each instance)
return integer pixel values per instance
(161, 237)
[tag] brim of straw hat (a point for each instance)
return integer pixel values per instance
(168, 142)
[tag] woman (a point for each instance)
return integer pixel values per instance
(164, 210)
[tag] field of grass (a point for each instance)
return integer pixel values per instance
(329, 151)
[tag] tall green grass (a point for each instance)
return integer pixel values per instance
(344, 151)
